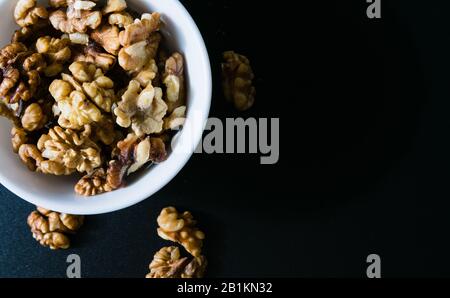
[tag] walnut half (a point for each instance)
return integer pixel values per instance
(237, 77)
(27, 13)
(93, 184)
(50, 228)
(142, 109)
(33, 117)
(73, 150)
(180, 228)
(168, 263)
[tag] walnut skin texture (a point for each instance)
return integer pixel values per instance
(50, 228)
(237, 77)
(180, 228)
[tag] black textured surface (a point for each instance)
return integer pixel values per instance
(364, 164)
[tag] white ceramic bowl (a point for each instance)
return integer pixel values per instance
(56, 193)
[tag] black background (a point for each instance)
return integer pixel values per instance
(364, 163)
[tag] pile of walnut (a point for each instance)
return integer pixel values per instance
(180, 228)
(90, 89)
(50, 228)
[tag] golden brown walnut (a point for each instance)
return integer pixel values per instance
(237, 76)
(10, 76)
(147, 74)
(72, 106)
(142, 109)
(140, 41)
(134, 57)
(11, 53)
(56, 52)
(16, 85)
(120, 19)
(114, 6)
(78, 23)
(76, 94)
(180, 228)
(18, 138)
(140, 30)
(167, 263)
(176, 119)
(174, 81)
(95, 84)
(31, 156)
(73, 150)
(27, 13)
(60, 22)
(27, 88)
(93, 184)
(34, 62)
(108, 38)
(49, 228)
(33, 117)
(50, 167)
(101, 60)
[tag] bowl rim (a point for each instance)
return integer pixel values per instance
(115, 205)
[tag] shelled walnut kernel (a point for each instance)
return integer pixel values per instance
(180, 228)
(50, 228)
